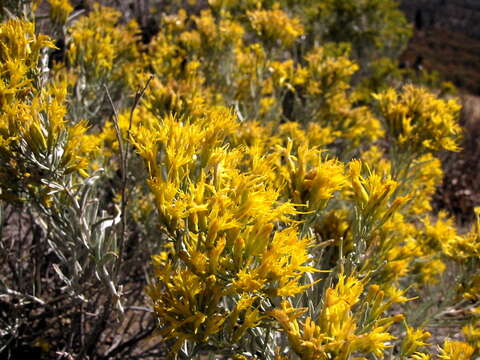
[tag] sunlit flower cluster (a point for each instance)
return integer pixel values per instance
(290, 216)
(416, 120)
(35, 140)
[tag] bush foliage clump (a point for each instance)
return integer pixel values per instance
(253, 182)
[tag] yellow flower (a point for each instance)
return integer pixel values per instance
(249, 281)
(374, 342)
(337, 332)
(455, 350)
(431, 271)
(322, 182)
(441, 234)
(373, 194)
(183, 307)
(420, 356)
(306, 342)
(217, 35)
(59, 10)
(417, 121)
(473, 288)
(414, 339)
(472, 333)
(427, 177)
(34, 134)
(461, 247)
(101, 47)
(273, 25)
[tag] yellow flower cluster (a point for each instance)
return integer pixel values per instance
(336, 334)
(455, 350)
(222, 222)
(467, 246)
(311, 179)
(373, 194)
(288, 215)
(416, 120)
(59, 10)
(36, 142)
(275, 25)
(19, 53)
(101, 48)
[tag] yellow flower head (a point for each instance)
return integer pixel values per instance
(417, 121)
(455, 350)
(273, 25)
(59, 10)
(414, 339)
